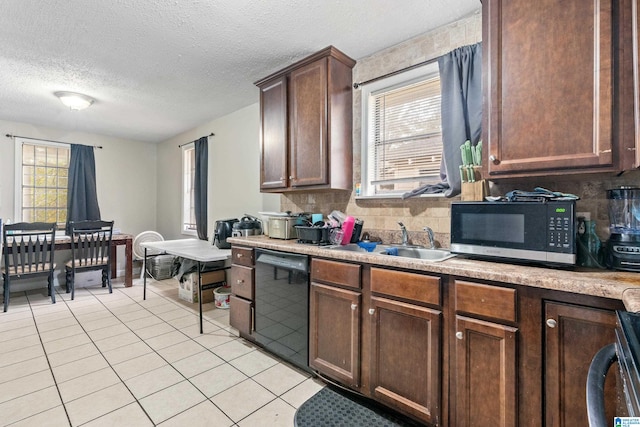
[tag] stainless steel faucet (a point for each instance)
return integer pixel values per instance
(405, 235)
(432, 241)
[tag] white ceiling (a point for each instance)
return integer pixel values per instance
(158, 68)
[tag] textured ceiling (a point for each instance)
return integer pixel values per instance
(158, 68)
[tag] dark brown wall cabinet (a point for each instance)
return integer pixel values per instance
(557, 82)
(305, 133)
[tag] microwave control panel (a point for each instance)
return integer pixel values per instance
(561, 227)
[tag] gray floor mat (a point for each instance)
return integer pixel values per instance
(331, 408)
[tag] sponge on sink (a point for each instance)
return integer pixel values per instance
(392, 251)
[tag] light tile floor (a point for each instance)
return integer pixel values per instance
(118, 360)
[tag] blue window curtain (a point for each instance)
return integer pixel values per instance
(82, 197)
(200, 185)
(461, 114)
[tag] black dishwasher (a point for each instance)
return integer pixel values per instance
(281, 322)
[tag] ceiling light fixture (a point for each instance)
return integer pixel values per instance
(75, 101)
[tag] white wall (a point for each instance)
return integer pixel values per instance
(234, 172)
(125, 177)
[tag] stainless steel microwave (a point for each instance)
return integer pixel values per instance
(520, 231)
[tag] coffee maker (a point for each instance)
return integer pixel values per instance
(623, 246)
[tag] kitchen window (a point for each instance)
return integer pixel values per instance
(401, 133)
(42, 171)
(188, 190)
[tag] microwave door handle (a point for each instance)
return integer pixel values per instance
(598, 369)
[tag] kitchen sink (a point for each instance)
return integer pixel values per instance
(434, 255)
(353, 247)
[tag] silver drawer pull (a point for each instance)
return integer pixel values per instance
(238, 255)
(372, 311)
(239, 281)
(459, 335)
(354, 306)
(551, 323)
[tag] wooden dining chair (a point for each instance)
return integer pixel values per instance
(90, 250)
(28, 249)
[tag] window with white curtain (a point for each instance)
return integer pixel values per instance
(188, 190)
(42, 173)
(401, 132)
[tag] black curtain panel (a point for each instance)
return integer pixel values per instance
(82, 197)
(200, 186)
(461, 89)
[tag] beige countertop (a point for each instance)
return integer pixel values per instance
(602, 283)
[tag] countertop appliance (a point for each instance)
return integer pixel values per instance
(542, 232)
(283, 227)
(281, 305)
(623, 246)
(223, 229)
(247, 226)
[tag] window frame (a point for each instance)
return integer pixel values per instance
(387, 84)
(183, 193)
(19, 173)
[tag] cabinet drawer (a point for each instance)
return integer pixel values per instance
(336, 273)
(242, 256)
(402, 284)
(240, 314)
(485, 300)
(242, 279)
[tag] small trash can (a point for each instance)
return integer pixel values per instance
(221, 296)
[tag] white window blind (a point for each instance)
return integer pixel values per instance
(404, 136)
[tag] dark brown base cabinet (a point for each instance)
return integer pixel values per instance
(405, 357)
(450, 351)
(573, 335)
(242, 279)
(334, 320)
(334, 333)
(484, 340)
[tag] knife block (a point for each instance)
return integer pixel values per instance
(474, 191)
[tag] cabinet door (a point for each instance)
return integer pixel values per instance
(334, 333)
(308, 125)
(550, 70)
(273, 134)
(574, 334)
(484, 374)
(405, 357)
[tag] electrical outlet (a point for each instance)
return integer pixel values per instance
(585, 215)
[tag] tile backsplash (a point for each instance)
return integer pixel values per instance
(380, 216)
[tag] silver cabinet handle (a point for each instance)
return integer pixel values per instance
(239, 281)
(238, 255)
(459, 335)
(372, 311)
(354, 306)
(494, 159)
(551, 323)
